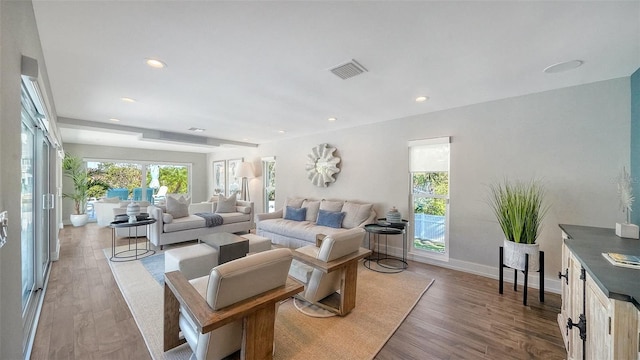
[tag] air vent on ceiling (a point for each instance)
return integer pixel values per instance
(348, 70)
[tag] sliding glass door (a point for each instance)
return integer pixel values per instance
(35, 206)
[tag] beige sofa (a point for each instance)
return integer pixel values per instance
(298, 233)
(167, 230)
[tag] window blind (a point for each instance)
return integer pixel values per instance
(429, 155)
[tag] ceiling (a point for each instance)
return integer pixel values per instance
(258, 71)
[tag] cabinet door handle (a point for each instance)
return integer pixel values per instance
(581, 325)
(565, 276)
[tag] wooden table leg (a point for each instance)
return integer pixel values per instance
(171, 318)
(348, 288)
(258, 334)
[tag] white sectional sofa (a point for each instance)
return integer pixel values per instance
(292, 231)
(170, 230)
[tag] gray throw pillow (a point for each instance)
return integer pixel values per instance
(329, 205)
(178, 208)
(312, 209)
(226, 205)
(355, 214)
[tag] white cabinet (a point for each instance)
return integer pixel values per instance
(599, 340)
(571, 306)
(612, 330)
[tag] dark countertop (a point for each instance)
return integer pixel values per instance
(588, 243)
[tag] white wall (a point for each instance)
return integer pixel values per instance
(575, 139)
(18, 36)
(198, 166)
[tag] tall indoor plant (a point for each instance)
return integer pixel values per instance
(73, 168)
(519, 208)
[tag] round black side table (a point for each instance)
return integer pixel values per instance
(385, 263)
(130, 253)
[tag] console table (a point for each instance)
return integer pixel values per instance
(130, 253)
(600, 313)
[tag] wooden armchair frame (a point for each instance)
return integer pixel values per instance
(258, 314)
(348, 266)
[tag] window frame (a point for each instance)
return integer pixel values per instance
(412, 250)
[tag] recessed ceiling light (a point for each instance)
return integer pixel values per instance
(195, 129)
(155, 63)
(563, 66)
(281, 131)
(421, 99)
(127, 99)
(332, 119)
(245, 139)
(114, 120)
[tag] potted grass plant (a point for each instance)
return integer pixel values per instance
(519, 208)
(73, 168)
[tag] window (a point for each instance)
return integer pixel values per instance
(269, 184)
(429, 171)
(124, 179)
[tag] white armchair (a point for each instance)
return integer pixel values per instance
(331, 267)
(237, 300)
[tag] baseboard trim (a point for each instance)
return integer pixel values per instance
(550, 285)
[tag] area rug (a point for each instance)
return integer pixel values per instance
(382, 303)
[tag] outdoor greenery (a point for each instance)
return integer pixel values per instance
(83, 185)
(429, 245)
(271, 176)
(128, 176)
(175, 178)
(519, 208)
(430, 183)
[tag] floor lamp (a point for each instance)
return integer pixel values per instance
(245, 171)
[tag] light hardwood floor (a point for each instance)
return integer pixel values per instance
(462, 316)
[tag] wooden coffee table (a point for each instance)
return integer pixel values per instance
(229, 246)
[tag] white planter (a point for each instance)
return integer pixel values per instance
(513, 255)
(79, 220)
(628, 231)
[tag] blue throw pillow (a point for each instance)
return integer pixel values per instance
(330, 218)
(296, 214)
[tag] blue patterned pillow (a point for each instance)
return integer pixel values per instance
(330, 218)
(296, 214)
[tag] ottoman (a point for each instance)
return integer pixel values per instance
(193, 260)
(257, 243)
